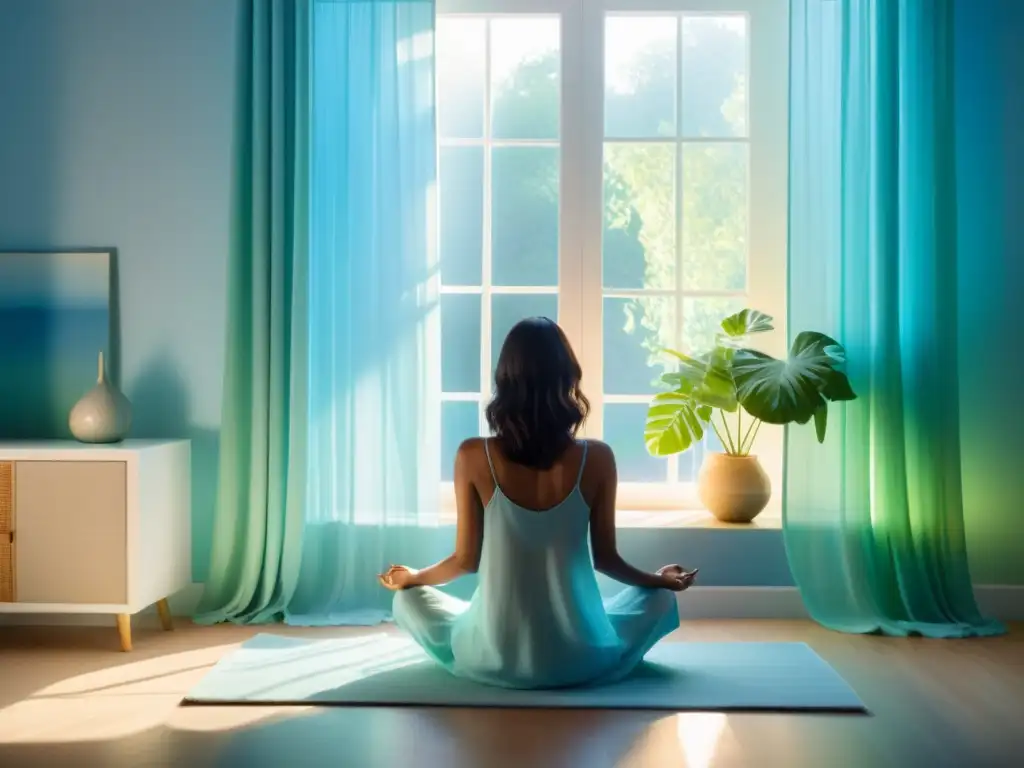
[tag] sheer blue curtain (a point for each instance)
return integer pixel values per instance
(874, 519)
(373, 471)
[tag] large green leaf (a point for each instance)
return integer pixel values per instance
(707, 378)
(821, 421)
(837, 387)
(691, 370)
(747, 322)
(790, 390)
(675, 421)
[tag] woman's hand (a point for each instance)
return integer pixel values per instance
(398, 577)
(677, 578)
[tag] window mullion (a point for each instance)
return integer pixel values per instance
(673, 461)
(590, 92)
(486, 246)
(571, 223)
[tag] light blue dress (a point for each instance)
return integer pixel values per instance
(537, 619)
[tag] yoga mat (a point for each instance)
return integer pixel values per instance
(389, 669)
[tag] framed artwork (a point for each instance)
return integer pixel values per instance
(55, 319)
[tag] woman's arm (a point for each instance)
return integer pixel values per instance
(607, 559)
(469, 526)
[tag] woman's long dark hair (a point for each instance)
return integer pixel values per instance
(538, 406)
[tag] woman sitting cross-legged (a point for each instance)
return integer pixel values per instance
(527, 500)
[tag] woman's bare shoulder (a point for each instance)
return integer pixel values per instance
(471, 465)
(600, 454)
(472, 451)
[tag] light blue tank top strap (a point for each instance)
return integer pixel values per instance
(487, 450)
(583, 464)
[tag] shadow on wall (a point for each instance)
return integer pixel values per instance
(161, 407)
(990, 278)
(31, 84)
(31, 89)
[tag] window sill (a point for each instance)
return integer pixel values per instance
(692, 518)
(769, 520)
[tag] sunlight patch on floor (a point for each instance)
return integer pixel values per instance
(699, 734)
(113, 702)
(162, 674)
(82, 718)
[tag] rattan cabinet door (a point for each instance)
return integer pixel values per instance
(6, 532)
(71, 532)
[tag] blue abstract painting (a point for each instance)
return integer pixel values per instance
(54, 321)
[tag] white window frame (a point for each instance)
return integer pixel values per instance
(581, 140)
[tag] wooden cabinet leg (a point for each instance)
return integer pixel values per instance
(124, 630)
(164, 610)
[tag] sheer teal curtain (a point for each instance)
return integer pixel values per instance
(329, 466)
(374, 386)
(254, 565)
(874, 525)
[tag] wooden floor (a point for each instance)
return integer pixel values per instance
(69, 698)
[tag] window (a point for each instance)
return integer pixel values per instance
(618, 165)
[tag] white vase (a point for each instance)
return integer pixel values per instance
(103, 415)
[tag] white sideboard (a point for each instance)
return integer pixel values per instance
(94, 528)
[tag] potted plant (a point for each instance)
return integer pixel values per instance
(719, 387)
